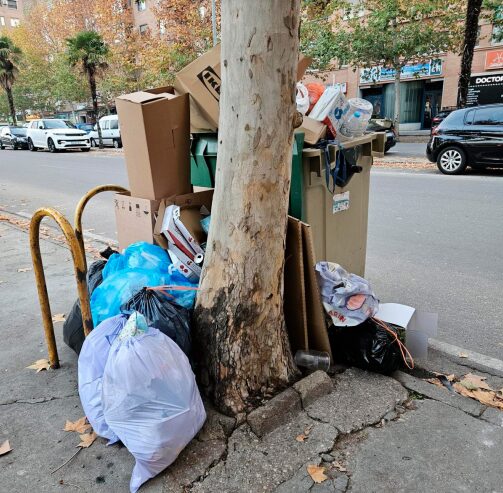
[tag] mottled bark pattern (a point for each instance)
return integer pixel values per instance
(243, 347)
(471, 27)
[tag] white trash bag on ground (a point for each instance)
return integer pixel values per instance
(150, 398)
(92, 360)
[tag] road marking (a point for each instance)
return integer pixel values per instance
(473, 357)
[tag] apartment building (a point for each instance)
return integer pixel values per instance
(428, 87)
(11, 13)
(143, 15)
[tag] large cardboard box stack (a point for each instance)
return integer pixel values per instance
(156, 136)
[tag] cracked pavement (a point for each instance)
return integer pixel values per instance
(366, 432)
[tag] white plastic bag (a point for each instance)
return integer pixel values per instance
(150, 398)
(302, 98)
(92, 360)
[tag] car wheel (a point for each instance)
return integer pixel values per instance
(2, 146)
(14, 147)
(93, 143)
(31, 146)
(51, 146)
(451, 161)
(117, 144)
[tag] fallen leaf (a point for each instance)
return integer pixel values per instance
(24, 269)
(59, 317)
(477, 380)
(39, 365)
(80, 426)
(434, 381)
(467, 384)
(305, 435)
(463, 355)
(339, 466)
(87, 440)
(486, 397)
(316, 473)
(5, 447)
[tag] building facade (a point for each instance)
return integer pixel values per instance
(143, 15)
(11, 13)
(428, 87)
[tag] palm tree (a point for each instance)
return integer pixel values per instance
(88, 50)
(10, 56)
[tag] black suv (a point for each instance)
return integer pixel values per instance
(468, 137)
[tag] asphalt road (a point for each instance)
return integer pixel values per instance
(435, 242)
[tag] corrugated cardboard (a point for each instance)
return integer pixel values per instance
(156, 137)
(313, 130)
(135, 218)
(304, 314)
(201, 79)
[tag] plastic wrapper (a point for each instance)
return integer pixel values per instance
(347, 298)
(150, 398)
(92, 361)
(169, 318)
(302, 98)
(367, 346)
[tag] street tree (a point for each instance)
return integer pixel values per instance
(243, 346)
(88, 50)
(10, 57)
(491, 10)
(383, 33)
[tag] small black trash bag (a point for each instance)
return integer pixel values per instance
(73, 330)
(367, 346)
(171, 319)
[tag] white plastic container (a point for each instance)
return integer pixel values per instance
(356, 119)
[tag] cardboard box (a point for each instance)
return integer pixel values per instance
(135, 218)
(313, 130)
(304, 313)
(156, 137)
(201, 79)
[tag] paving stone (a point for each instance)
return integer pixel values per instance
(313, 387)
(217, 426)
(327, 457)
(341, 483)
(434, 448)
(300, 482)
(492, 415)
(368, 396)
(326, 487)
(192, 463)
(280, 409)
(466, 404)
(261, 464)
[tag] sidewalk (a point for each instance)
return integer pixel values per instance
(371, 433)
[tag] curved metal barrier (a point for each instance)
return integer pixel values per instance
(75, 241)
(38, 267)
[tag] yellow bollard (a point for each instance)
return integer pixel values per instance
(79, 263)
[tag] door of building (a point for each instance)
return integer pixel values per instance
(431, 106)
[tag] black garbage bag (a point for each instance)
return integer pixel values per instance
(367, 346)
(170, 318)
(73, 330)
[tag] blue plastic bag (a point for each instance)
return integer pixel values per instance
(92, 361)
(150, 398)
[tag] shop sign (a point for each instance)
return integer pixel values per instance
(494, 59)
(485, 89)
(410, 71)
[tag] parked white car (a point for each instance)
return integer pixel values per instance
(110, 132)
(54, 134)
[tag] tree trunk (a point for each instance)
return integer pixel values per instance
(12, 109)
(396, 119)
(473, 9)
(240, 328)
(94, 97)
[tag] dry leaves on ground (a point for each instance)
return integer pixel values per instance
(5, 447)
(463, 355)
(486, 397)
(339, 466)
(87, 439)
(79, 426)
(59, 317)
(317, 473)
(39, 365)
(476, 380)
(24, 269)
(305, 435)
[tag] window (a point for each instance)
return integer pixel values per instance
(162, 27)
(14, 22)
(469, 117)
(2, 21)
(497, 35)
(141, 5)
(105, 125)
(143, 28)
(488, 116)
(114, 124)
(12, 4)
(477, 42)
